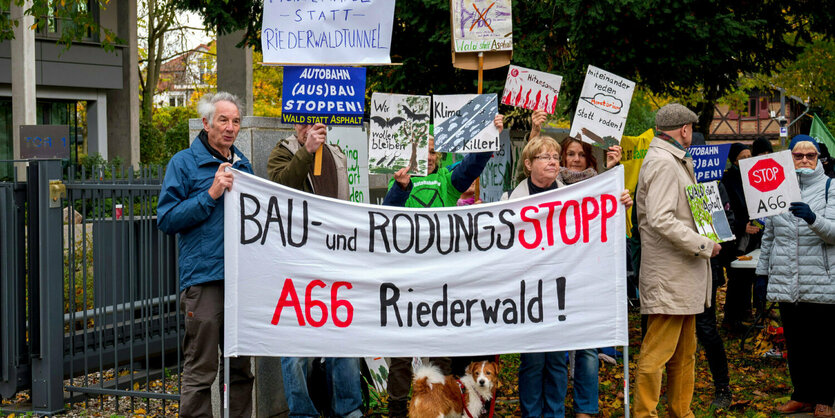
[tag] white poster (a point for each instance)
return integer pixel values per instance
(327, 32)
(531, 89)
(464, 123)
(353, 140)
(399, 133)
(769, 183)
(482, 25)
(313, 276)
(602, 108)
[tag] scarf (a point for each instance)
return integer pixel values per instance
(570, 177)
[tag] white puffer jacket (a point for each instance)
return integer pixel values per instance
(798, 258)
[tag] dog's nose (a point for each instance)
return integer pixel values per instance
(481, 382)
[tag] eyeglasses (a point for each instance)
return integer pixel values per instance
(547, 157)
(811, 156)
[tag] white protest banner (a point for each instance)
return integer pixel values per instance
(708, 211)
(464, 123)
(603, 107)
(531, 89)
(497, 176)
(482, 25)
(354, 143)
(315, 276)
(769, 183)
(327, 32)
(399, 133)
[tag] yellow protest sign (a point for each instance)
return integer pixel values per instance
(634, 150)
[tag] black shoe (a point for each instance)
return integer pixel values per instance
(722, 398)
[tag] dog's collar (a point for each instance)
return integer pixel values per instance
(462, 388)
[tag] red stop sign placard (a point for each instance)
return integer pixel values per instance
(766, 175)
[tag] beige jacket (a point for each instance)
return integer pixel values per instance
(675, 259)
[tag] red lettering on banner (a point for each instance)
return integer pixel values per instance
(536, 228)
(588, 215)
(549, 222)
(310, 303)
(564, 222)
(289, 298)
(288, 291)
(606, 214)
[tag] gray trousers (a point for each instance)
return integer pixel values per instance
(202, 306)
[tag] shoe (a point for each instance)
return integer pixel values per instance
(792, 407)
(823, 411)
(722, 399)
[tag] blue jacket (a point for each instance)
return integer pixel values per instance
(185, 208)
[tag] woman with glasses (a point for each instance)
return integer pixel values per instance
(543, 377)
(798, 255)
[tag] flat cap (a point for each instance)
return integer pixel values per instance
(674, 116)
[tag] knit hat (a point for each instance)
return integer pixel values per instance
(736, 149)
(674, 116)
(761, 146)
(801, 138)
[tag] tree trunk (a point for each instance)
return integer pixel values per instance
(413, 158)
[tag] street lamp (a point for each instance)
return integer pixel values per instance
(782, 121)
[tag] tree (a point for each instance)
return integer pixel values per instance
(163, 36)
(266, 87)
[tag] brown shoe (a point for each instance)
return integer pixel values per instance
(823, 411)
(792, 407)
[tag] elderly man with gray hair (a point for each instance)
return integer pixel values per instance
(675, 281)
(191, 206)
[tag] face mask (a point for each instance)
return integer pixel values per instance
(804, 171)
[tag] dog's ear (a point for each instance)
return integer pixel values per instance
(471, 368)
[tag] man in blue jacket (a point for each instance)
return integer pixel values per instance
(191, 205)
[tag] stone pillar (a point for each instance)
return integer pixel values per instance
(123, 105)
(234, 69)
(23, 76)
(97, 125)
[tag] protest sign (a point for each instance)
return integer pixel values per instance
(603, 107)
(313, 276)
(399, 133)
(482, 25)
(464, 123)
(709, 161)
(353, 141)
(327, 32)
(634, 151)
(497, 176)
(769, 183)
(531, 89)
(329, 95)
(708, 211)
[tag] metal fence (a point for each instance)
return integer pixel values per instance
(101, 316)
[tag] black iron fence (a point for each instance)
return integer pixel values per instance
(89, 288)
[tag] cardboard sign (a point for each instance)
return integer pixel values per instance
(327, 32)
(709, 212)
(312, 276)
(482, 25)
(709, 161)
(353, 140)
(769, 183)
(399, 133)
(464, 123)
(531, 89)
(329, 95)
(44, 141)
(497, 176)
(603, 107)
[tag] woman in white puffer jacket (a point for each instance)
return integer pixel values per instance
(798, 256)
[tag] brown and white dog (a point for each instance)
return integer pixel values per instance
(437, 396)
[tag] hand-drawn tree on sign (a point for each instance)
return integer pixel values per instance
(414, 130)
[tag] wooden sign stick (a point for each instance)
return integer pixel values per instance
(317, 162)
(480, 86)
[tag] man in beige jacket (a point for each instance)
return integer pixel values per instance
(675, 281)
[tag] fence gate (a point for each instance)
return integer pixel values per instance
(103, 315)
